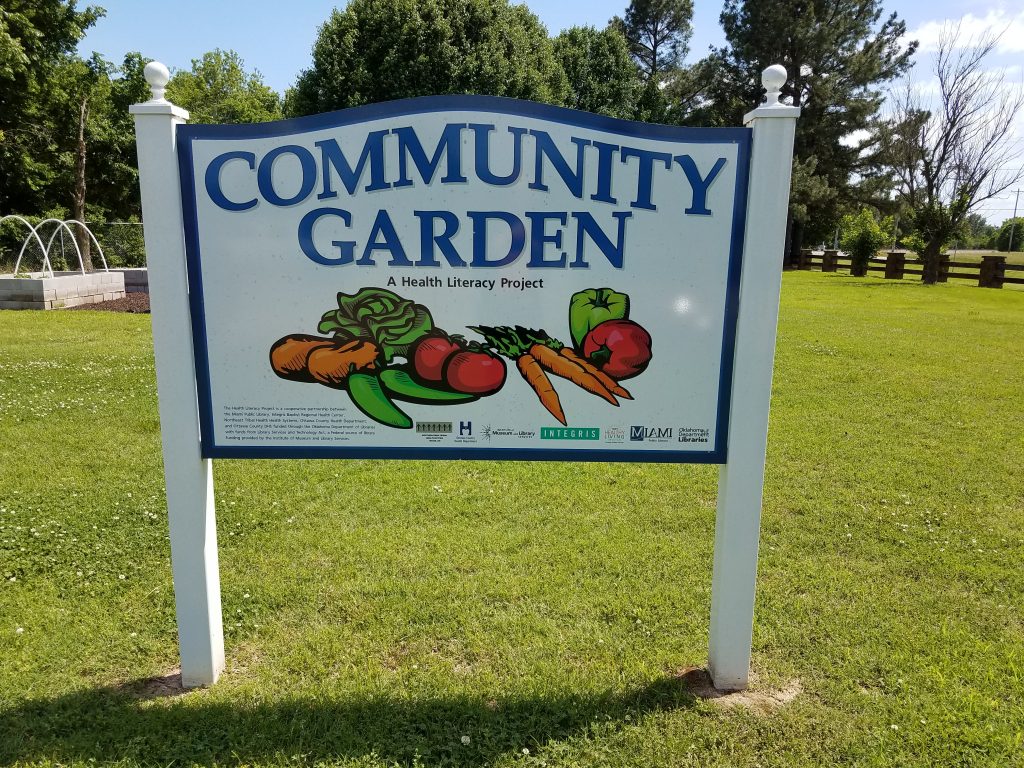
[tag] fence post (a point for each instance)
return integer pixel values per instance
(188, 476)
(829, 260)
(741, 478)
(944, 268)
(805, 259)
(895, 263)
(992, 271)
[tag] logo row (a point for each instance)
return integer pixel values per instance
(656, 434)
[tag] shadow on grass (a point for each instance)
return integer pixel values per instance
(134, 722)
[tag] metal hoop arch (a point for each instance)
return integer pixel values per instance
(32, 232)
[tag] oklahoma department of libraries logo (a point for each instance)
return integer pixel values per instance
(570, 433)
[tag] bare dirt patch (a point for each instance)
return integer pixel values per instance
(158, 687)
(132, 302)
(698, 682)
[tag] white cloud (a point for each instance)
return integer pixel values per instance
(998, 21)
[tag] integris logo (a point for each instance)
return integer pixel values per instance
(657, 434)
(570, 433)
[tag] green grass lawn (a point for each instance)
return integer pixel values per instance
(535, 614)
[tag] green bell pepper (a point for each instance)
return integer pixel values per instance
(590, 308)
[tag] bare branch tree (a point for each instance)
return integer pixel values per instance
(955, 150)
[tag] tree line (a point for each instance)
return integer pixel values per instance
(67, 141)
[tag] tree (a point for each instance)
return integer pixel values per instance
(840, 55)
(218, 90)
(953, 152)
(977, 233)
(1014, 227)
(37, 38)
(377, 50)
(658, 32)
(601, 76)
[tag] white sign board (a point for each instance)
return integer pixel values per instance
(464, 277)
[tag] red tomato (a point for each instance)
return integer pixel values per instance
(430, 355)
(620, 348)
(475, 373)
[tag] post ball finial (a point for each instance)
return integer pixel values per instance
(773, 78)
(157, 75)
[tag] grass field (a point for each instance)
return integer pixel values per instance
(478, 614)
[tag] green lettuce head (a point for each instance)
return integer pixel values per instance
(380, 316)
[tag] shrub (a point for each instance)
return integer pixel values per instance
(862, 238)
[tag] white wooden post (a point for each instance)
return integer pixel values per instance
(741, 479)
(188, 477)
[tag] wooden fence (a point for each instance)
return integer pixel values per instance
(990, 272)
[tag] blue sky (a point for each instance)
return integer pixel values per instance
(276, 38)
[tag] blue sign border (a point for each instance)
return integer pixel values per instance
(186, 134)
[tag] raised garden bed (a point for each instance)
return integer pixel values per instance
(36, 290)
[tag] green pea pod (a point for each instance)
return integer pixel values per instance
(368, 396)
(401, 386)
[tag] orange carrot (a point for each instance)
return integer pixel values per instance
(609, 383)
(536, 378)
(289, 354)
(332, 365)
(567, 369)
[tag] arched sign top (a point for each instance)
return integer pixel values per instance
(422, 105)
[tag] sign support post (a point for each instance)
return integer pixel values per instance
(741, 478)
(188, 476)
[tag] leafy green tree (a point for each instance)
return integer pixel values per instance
(37, 38)
(840, 54)
(978, 233)
(378, 50)
(1003, 239)
(658, 32)
(601, 75)
(218, 90)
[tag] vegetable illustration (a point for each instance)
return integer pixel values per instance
(380, 316)
(464, 366)
(401, 386)
(479, 373)
(536, 378)
(331, 365)
(289, 354)
(610, 384)
(590, 308)
(536, 352)
(620, 348)
(373, 327)
(430, 354)
(385, 348)
(369, 397)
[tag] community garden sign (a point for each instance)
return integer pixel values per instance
(463, 277)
